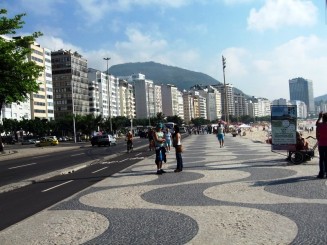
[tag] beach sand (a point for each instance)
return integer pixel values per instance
(257, 134)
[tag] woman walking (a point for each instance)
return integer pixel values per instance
(178, 149)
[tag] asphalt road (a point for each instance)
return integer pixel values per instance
(20, 203)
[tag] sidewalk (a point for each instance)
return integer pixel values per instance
(239, 194)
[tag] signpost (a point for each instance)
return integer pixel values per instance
(283, 127)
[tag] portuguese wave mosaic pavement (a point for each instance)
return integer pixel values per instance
(239, 194)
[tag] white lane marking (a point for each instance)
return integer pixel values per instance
(99, 170)
(138, 154)
(57, 186)
(41, 156)
(21, 166)
(77, 154)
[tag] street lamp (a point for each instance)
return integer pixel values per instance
(149, 104)
(225, 93)
(109, 93)
(73, 107)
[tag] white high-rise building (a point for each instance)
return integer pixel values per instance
(40, 104)
(144, 96)
(301, 108)
(127, 99)
(98, 93)
(170, 106)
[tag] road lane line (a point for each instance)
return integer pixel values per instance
(77, 154)
(57, 186)
(41, 156)
(138, 154)
(21, 166)
(99, 170)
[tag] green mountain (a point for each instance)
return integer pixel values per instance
(164, 74)
(321, 98)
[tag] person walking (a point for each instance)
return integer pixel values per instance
(177, 139)
(159, 142)
(321, 134)
(129, 139)
(168, 139)
(221, 134)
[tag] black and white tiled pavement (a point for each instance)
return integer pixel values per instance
(239, 194)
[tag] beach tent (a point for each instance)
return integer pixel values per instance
(244, 126)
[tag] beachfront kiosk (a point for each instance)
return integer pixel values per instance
(283, 127)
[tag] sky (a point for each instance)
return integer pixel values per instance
(265, 42)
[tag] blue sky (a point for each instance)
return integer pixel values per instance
(265, 42)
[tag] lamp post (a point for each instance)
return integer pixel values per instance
(225, 93)
(149, 104)
(109, 93)
(73, 107)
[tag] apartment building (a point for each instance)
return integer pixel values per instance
(240, 105)
(98, 92)
(40, 104)
(229, 95)
(169, 94)
(188, 106)
(70, 83)
(301, 108)
(144, 96)
(158, 104)
(180, 104)
(127, 99)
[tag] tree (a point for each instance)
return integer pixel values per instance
(18, 77)
(200, 121)
(175, 119)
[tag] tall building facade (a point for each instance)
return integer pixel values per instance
(40, 104)
(144, 96)
(170, 106)
(127, 99)
(302, 89)
(70, 83)
(227, 98)
(188, 106)
(98, 93)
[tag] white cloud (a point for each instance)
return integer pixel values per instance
(266, 75)
(41, 8)
(55, 43)
(95, 10)
(279, 13)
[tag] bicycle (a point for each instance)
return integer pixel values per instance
(129, 146)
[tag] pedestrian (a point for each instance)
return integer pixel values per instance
(129, 139)
(321, 134)
(159, 142)
(177, 143)
(168, 139)
(150, 137)
(220, 134)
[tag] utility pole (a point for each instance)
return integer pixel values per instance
(109, 93)
(225, 93)
(73, 107)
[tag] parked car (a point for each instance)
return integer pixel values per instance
(28, 141)
(106, 139)
(47, 142)
(182, 130)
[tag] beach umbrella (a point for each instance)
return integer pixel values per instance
(244, 126)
